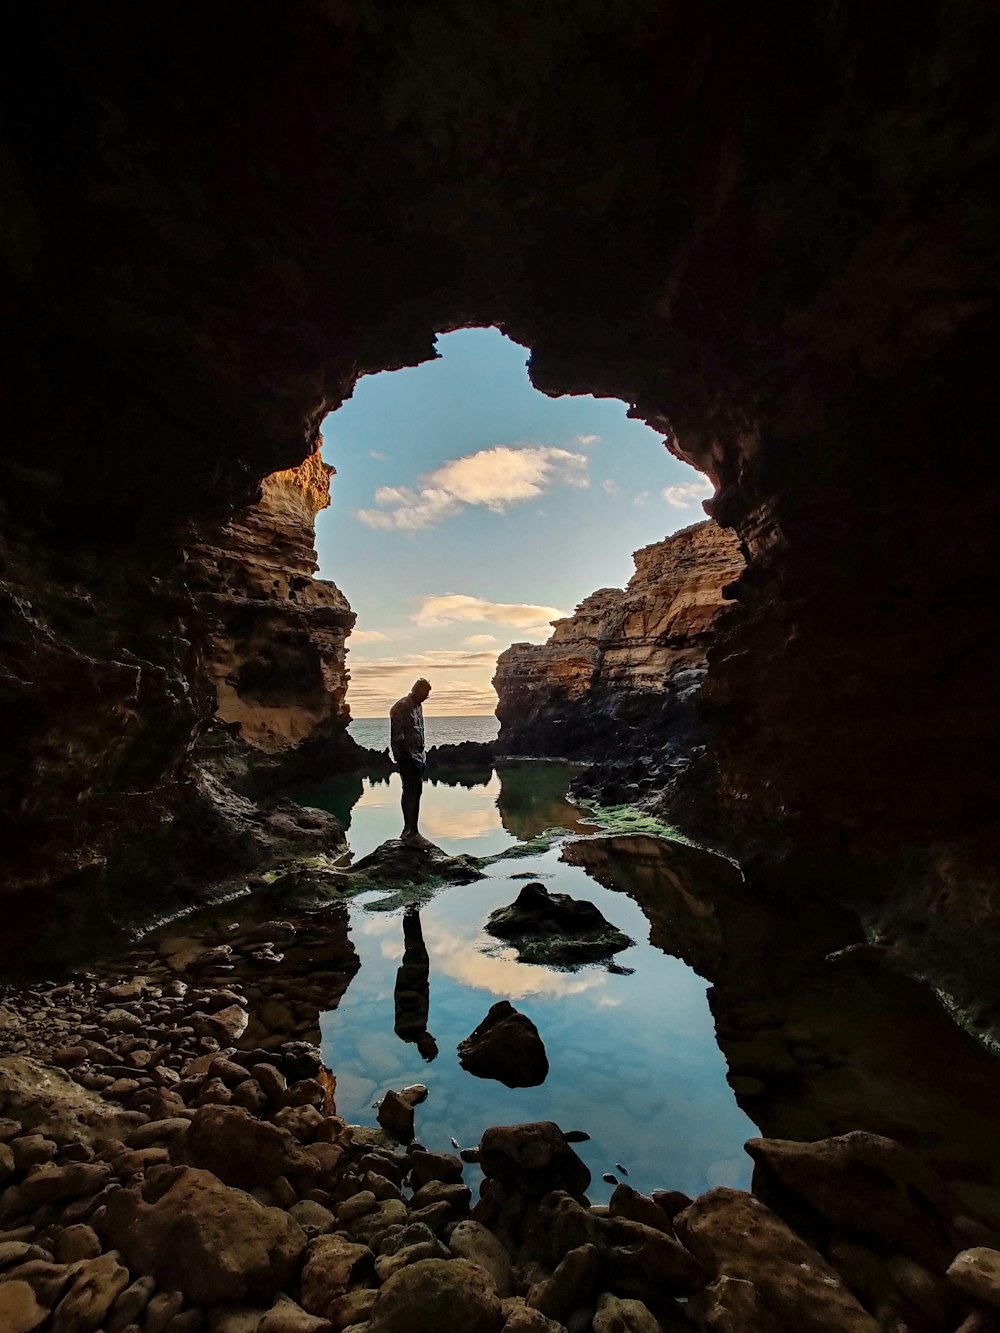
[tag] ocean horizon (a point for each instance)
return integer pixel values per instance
(373, 732)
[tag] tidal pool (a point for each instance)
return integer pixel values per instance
(632, 1052)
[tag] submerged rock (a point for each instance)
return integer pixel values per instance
(505, 1046)
(555, 928)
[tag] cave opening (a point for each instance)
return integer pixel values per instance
(469, 511)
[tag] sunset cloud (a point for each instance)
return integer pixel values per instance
(690, 494)
(461, 607)
(493, 478)
(460, 681)
(480, 640)
(368, 636)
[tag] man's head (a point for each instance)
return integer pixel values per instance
(420, 690)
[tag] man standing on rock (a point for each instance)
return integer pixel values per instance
(406, 720)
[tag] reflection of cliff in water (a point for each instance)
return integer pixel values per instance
(817, 1044)
(533, 798)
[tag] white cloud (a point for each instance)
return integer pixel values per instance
(688, 495)
(480, 640)
(588, 439)
(368, 636)
(374, 453)
(608, 485)
(495, 478)
(437, 610)
(642, 498)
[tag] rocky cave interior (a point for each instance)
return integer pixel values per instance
(769, 230)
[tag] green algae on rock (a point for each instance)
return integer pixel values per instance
(555, 928)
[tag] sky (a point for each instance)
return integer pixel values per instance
(469, 510)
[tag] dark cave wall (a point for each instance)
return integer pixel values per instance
(771, 232)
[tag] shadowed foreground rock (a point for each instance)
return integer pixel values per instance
(734, 1235)
(505, 1046)
(203, 1238)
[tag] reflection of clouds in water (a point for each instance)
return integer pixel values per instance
(443, 823)
(608, 1002)
(381, 923)
(458, 958)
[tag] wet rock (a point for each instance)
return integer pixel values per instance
(212, 1242)
(50, 1184)
(47, 1100)
(619, 1315)
(95, 1285)
(732, 1305)
(388, 1264)
(977, 1273)
(242, 1150)
(285, 1316)
(735, 1235)
(437, 1294)
(77, 1242)
(130, 1304)
(636, 1260)
(572, 1284)
(332, 1264)
(158, 1131)
(48, 1281)
(506, 1047)
(312, 1217)
(555, 928)
(521, 1318)
(20, 1311)
(357, 1206)
(534, 1157)
(629, 1203)
(162, 1310)
(270, 1080)
(868, 1186)
(427, 1166)
(456, 1195)
(395, 1115)
(472, 1241)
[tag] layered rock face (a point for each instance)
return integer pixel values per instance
(275, 647)
(771, 232)
(621, 672)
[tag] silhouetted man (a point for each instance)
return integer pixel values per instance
(406, 720)
(412, 994)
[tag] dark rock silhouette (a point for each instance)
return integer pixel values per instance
(555, 928)
(411, 995)
(505, 1046)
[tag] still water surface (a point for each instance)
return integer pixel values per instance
(633, 1058)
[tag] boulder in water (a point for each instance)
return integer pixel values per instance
(505, 1046)
(555, 928)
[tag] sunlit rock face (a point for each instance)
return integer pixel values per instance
(627, 660)
(772, 232)
(275, 650)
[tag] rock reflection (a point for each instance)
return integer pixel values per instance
(412, 993)
(533, 798)
(820, 1038)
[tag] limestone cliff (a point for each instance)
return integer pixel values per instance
(622, 668)
(275, 645)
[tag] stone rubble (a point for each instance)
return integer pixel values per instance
(161, 1173)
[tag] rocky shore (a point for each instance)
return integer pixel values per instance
(171, 1161)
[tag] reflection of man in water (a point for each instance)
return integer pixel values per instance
(406, 721)
(412, 995)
